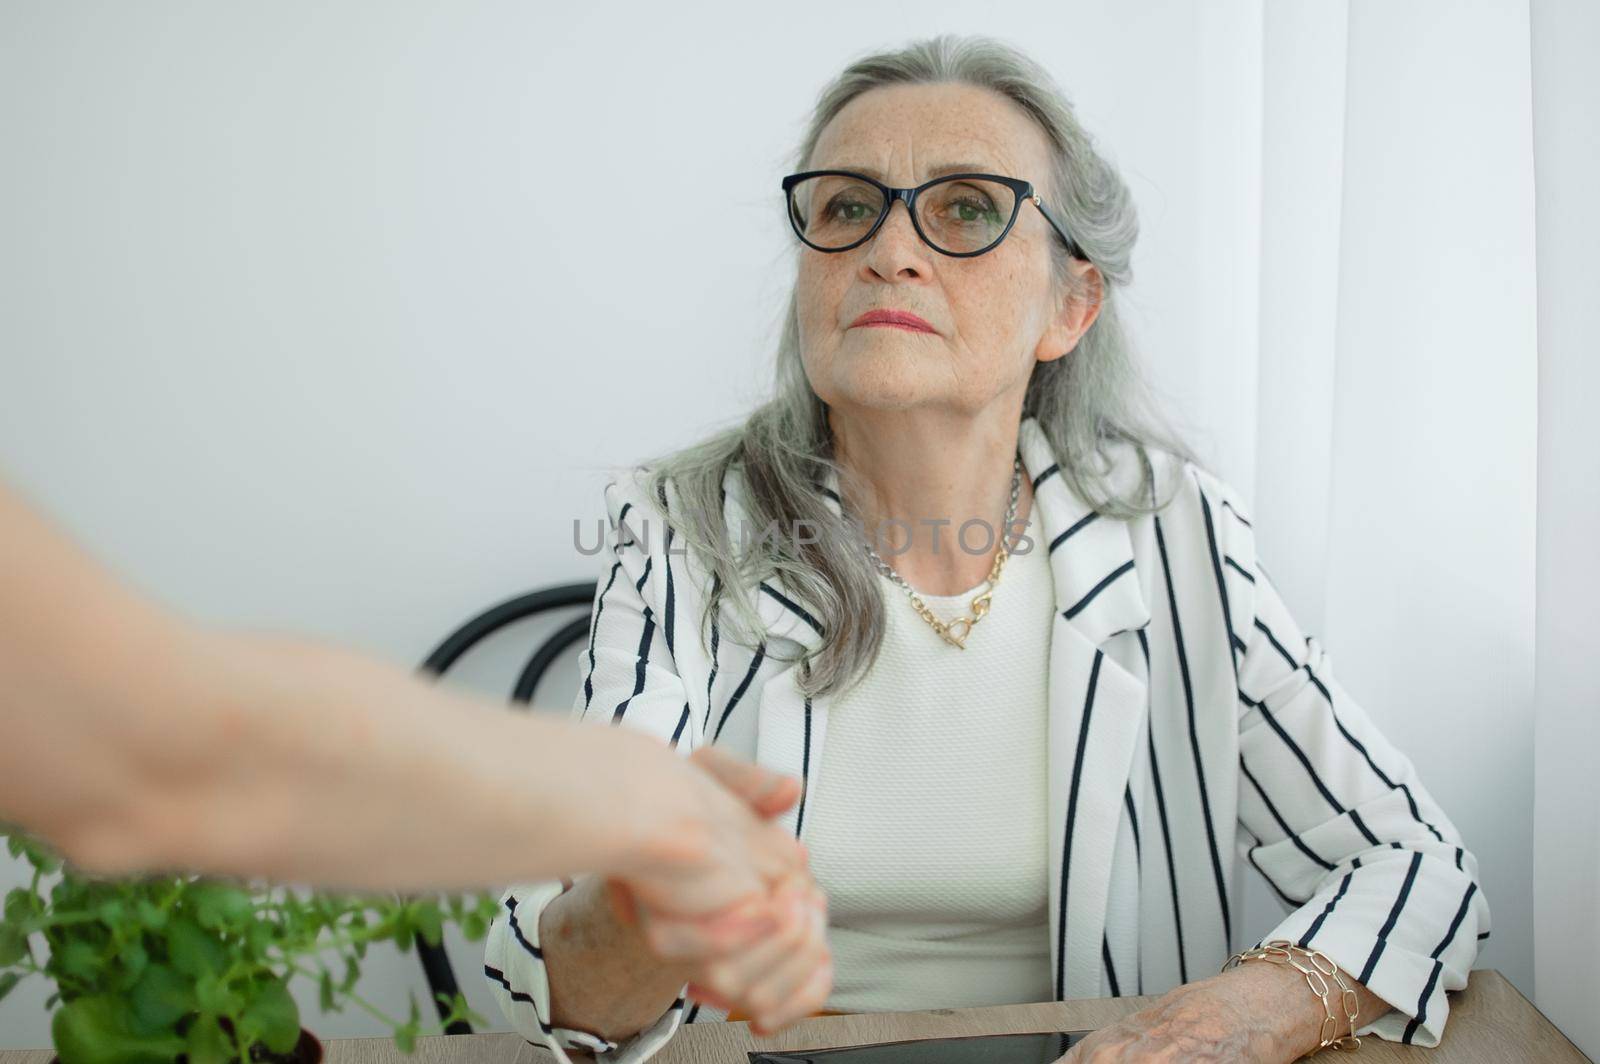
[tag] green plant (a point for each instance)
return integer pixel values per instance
(149, 968)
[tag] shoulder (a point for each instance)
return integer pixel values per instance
(1178, 483)
(1218, 495)
(1154, 476)
(638, 500)
(645, 495)
(1203, 519)
(635, 531)
(652, 534)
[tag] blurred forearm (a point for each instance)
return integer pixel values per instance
(133, 740)
(316, 764)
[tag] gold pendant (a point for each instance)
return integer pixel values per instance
(948, 631)
(956, 632)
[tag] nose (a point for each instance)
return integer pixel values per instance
(896, 247)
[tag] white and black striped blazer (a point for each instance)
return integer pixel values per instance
(1192, 728)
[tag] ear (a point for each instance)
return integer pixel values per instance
(1076, 313)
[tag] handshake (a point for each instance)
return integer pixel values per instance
(720, 898)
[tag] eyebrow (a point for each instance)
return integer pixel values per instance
(937, 171)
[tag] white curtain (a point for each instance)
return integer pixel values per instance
(1427, 223)
(1566, 859)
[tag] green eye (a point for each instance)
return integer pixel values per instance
(969, 211)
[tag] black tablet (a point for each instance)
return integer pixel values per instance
(987, 1049)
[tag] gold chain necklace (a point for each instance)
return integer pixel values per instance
(956, 632)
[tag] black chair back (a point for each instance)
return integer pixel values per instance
(435, 962)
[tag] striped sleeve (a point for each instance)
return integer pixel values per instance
(1376, 875)
(628, 679)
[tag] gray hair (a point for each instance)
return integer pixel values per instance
(1082, 401)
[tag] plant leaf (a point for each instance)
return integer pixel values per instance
(207, 1042)
(473, 927)
(95, 1030)
(160, 998)
(428, 920)
(218, 905)
(13, 945)
(21, 903)
(134, 959)
(260, 935)
(215, 997)
(7, 981)
(78, 960)
(151, 916)
(192, 950)
(352, 973)
(40, 858)
(273, 1012)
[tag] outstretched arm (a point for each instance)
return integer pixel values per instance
(135, 740)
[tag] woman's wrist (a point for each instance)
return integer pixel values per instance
(1289, 1013)
(602, 976)
(1344, 1005)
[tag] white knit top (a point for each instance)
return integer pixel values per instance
(926, 826)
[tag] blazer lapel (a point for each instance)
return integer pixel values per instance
(790, 727)
(1096, 710)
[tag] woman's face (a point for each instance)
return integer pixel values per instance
(993, 315)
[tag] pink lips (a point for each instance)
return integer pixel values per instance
(897, 319)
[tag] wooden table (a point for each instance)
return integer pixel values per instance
(1490, 1023)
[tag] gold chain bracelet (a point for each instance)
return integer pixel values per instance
(1316, 973)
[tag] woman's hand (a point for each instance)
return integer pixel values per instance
(1260, 1012)
(781, 978)
(767, 957)
(707, 899)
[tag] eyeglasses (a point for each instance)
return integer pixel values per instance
(960, 215)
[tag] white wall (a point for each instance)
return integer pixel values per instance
(306, 311)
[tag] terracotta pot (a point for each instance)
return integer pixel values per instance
(306, 1051)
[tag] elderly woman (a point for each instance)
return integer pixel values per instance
(1019, 646)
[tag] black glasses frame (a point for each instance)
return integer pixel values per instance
(1023, 189)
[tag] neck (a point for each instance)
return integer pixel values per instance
(920, 475)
